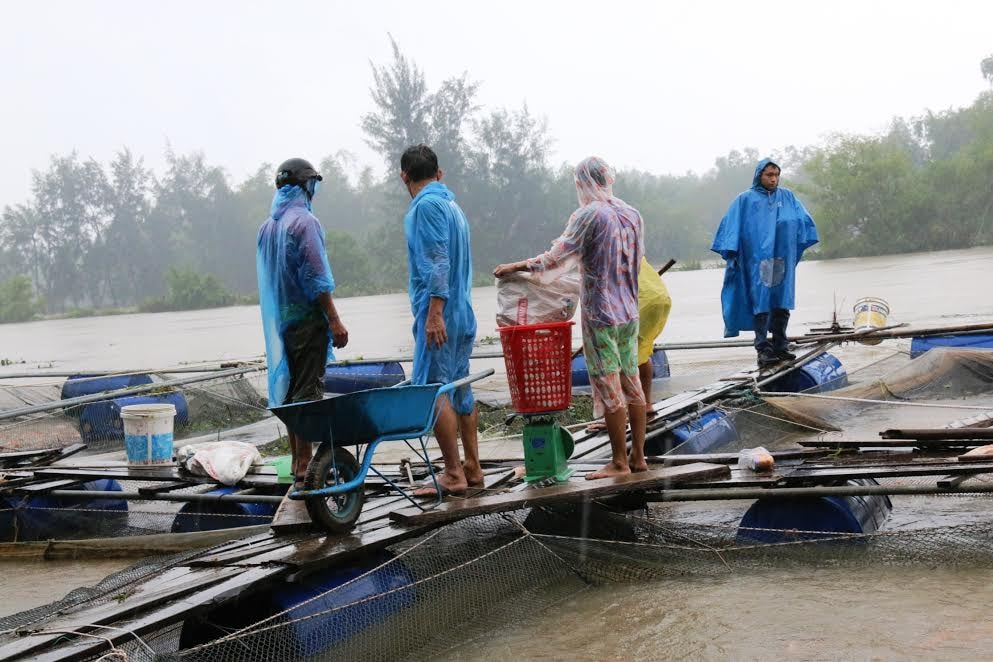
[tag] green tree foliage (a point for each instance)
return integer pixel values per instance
(190, 290)
(91, 236)
(17, 300)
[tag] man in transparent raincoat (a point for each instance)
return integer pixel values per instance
(607, 235)
(440, 289)
(299, 319)
(762, 237)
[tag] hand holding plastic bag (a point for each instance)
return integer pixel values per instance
(539, 297)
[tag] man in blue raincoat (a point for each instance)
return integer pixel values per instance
(299, 319)
(762, 237)
(440, 264)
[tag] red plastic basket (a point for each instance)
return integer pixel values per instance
(539, 366)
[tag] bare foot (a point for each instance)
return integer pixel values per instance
(449, 485)
(609, 471)
(474, 475)
(637, 466)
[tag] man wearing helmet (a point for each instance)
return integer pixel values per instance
(299, 319)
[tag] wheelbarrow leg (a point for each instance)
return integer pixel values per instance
(334, 466)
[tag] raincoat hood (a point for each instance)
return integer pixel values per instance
(288, 196)
(594, 181)
(757, 177)
(434, 188)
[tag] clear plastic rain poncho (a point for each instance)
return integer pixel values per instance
(440, 264)
(607, 235)
(762, 237)
(292, 267)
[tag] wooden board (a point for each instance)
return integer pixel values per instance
(731, 458)
(820, 476)
(292, 517)
(893, 443)
(568, 492)
(938, 433)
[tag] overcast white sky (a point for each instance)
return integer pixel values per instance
(663, 87)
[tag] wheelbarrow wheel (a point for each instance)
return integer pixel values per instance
(333, 466)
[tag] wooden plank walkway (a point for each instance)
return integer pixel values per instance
(570, 492)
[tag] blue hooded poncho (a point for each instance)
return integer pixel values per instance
(292, 267)
(440, 264)
(762, 237)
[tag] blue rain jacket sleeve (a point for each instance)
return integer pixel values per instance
(293, 270)
(440, 262)
(762, 237)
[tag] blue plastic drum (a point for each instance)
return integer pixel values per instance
(350, 378)
(972, 341)
(213, 515)
(47, 517)
(824, 373)
(705, 434)
(81, 384)
(102, 420)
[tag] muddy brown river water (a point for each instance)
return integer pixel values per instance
(819, 613)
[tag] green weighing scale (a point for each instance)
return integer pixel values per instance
(547, 447)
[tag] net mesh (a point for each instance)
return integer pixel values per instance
(428, 596)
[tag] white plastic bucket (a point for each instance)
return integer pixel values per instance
(148, 433)
(870, 313)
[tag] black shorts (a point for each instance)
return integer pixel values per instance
(306, 345)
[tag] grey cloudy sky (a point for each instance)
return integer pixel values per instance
(663, 87)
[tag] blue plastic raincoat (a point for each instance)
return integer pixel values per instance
(440, 264)
(292, 267)
(762, 237)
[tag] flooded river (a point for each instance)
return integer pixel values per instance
(812, 613)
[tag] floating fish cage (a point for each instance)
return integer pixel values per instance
(44, 517)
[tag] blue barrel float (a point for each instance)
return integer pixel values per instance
(82, 384)
(581, 375)
(824, 373)
(304, 637)
(212, 515)
(972, 341)
(359, 377)
(102, 420)
(45, 516)
(704, 434)
(780, 520)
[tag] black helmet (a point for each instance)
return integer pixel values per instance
(295, 171)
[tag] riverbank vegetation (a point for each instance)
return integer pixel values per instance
(117, 235)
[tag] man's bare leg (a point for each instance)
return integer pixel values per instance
(637, 461)
(646, 371)
(616, 424)
(452, 479)
(470, 446)
(300, 454)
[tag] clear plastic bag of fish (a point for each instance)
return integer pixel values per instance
(758, 460)
(538, 297)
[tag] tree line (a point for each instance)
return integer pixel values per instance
(118, 236)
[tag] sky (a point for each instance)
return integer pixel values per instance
(662, 87)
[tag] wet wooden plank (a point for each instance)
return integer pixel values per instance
(291, 517)
(892, 443)
(820, 476)
(732, 458)
(169, 586)
(568, 492)
(151, 620)
(938, 433)
(46, 486)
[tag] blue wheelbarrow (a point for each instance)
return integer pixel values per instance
(334, 484)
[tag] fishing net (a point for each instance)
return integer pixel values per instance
(204, 409)
(437, 595)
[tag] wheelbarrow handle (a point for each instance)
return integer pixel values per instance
(459, 383)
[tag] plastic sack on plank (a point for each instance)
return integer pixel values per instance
(539, 297)
(756, 459)
(225, 461)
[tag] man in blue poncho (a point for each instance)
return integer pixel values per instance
(440, 265)
(762, 238)
(295, 285)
